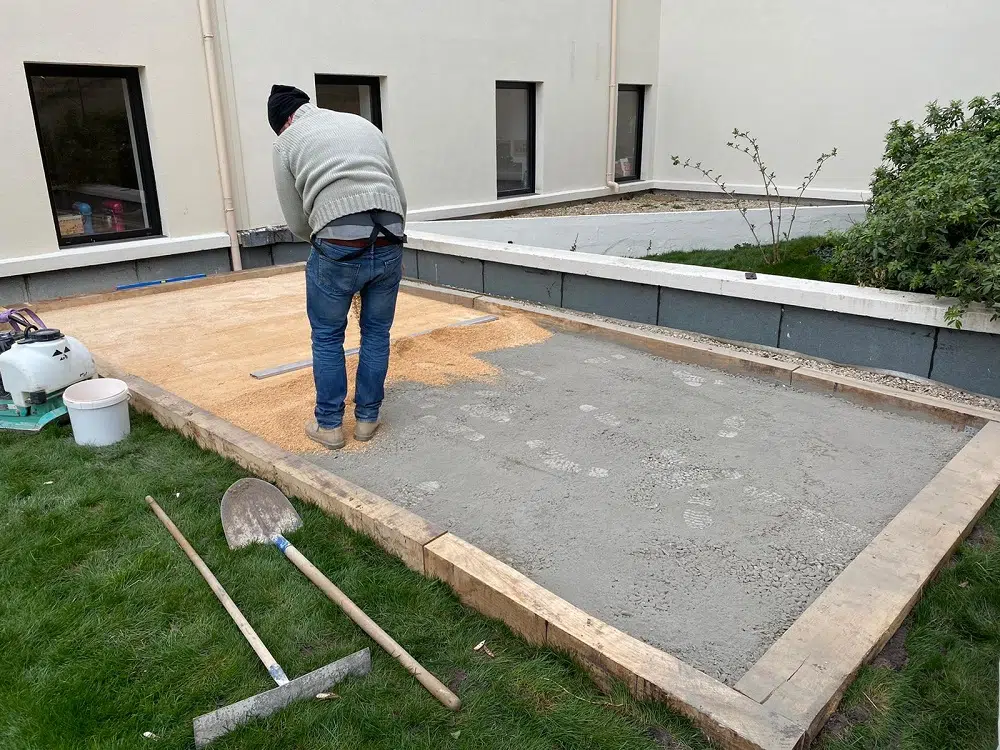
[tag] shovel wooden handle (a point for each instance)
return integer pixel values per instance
(273, 668)
(433, 685)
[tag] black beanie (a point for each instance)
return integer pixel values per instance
(282, 103)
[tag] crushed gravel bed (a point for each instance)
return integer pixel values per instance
(637, 203)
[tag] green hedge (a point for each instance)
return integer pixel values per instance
(934, 221)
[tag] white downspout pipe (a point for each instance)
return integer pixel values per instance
(613, 100)
(221, 144)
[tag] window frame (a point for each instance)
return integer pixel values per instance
(374, 84)
(641, 117)
(144, 156)
(532, 89)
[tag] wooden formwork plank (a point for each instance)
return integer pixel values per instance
(729, 718)
(208, 431)
(804, 674)
(886, 397)
(668, 347)
(395, 529)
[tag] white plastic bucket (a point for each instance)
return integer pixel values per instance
(98, 411)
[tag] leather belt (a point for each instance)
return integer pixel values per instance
(360, 244)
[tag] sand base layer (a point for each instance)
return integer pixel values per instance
(203, 343)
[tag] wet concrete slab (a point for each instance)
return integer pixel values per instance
(699, 511)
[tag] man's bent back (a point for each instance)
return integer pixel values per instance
(339, 189)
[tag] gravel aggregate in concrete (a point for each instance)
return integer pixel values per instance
(697, 510)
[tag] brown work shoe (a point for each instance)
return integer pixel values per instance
(332, 438)
(365, 431)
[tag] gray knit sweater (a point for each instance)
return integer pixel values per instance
(331, 164)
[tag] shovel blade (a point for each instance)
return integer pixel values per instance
(211, 726)
(255, 511)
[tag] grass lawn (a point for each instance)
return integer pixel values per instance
(800, 261)
(935, 685)
(107, 631)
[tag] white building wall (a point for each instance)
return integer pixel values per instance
(807, 76)
(439, 61)
(802, 76)
(163, 39)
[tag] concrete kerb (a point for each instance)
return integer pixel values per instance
(776, 706)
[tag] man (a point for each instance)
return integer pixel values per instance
(339, 190)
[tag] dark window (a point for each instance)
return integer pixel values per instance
(357, 95)
(628, 141)
(95, 151)
(515, 138)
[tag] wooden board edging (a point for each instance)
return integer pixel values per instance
(397, 530)
(60, 303)
(806, 671)
(726, 716)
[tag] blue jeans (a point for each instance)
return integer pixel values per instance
(331, 284)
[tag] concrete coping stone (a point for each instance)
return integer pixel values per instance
(910, 307)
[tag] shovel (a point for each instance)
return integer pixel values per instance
(214, 725)
(255, 511)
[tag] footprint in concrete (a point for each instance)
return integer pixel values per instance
(451, 428)
(557, 461)
(689, 378)
(485, 411)
(765, 496)
(464, 431)
(697, 518)
(672, 470)
(530, 374)
(733, 426)
(429, 488)
(606, 419)
(619, 356)
(703, 500)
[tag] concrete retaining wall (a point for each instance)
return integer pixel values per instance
(268, 246)
(639, 235)
(887, 330)
(67, 282)
(872, 328)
